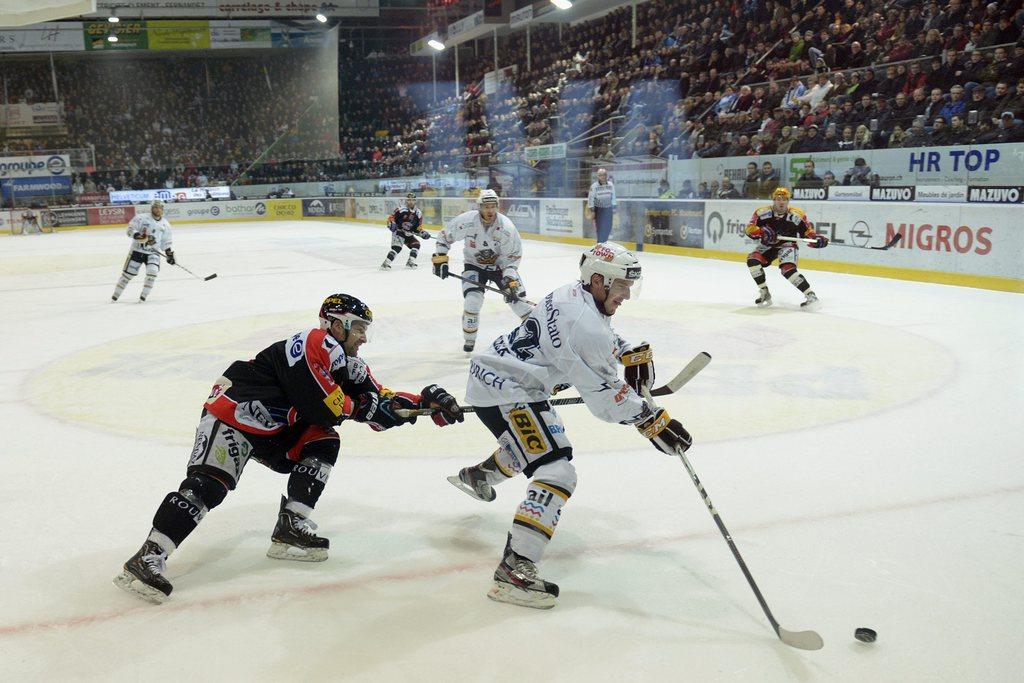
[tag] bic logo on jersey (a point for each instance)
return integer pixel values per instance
(527, 431)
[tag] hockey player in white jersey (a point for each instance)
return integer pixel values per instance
(150, 233)
(566, 340)
(492, 250)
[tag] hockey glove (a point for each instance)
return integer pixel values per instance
(559, 388)
(170, 257)
(391, 225)
(139, 236)
(769, 236)
(448, 409)
(440, 262)
(820, 241)
(510, 289)
(424, 234)
(379, 411)
(639, 362)
(665, 433)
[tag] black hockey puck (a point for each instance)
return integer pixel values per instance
(865, 635)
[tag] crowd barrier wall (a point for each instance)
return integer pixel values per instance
(956, 243)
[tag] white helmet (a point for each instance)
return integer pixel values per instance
(156, 202)
(611, 262)
(487, 196)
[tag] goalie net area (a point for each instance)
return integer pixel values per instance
(23, 221)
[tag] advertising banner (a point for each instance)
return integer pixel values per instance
(450, 208)
(242, 209)
(233, 35)
(47, 37)
(940, 193)
(235, 9)
(523, 212)
(341, 207)
(638, 179)
(191, 211)
(375, 208)
(110, 215)
(997, 194)
(960, 238)
(284, 208)
(35, 166)
(849, 193)
(893, 193)
(178, 35)
(561, 217)
(669, 223)
(520, 17)
(131, 35)
(35, 186)
(431, 209)
(177, 194)
(92, 198)
(64, 218)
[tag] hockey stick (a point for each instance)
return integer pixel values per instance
(888, 245)
(486, 286)
(208, 277)
(804, 640)
(698, 363)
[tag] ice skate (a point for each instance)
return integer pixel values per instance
(143, 574)
(516, 582)
(468, 346)
(811, 302)
(411, 264)
(142, 298)
(765, 300)
(386, 265)
(113, 298)
(293, 538)
(473, 481)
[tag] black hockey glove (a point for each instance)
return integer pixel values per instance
(379, 411)
(440, 262)
(170, 257)
(639, 362)
(448, 409)
(820, 242)
(510, 289)
(665, 433)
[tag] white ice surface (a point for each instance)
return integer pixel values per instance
(865, 457)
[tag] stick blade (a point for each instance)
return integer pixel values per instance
(803, 640)
(698, 363)
(210, 277)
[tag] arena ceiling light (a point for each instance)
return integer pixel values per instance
(321, 16)
(562, 4)
(436, 44)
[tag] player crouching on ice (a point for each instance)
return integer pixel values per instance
(566, 340)
(768, 224)
(280, 409)
(405, 226)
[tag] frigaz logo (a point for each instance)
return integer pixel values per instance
(261, 208)
(56, 165)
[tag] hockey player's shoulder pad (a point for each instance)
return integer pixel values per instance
(763, 212)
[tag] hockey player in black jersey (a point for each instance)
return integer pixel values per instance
(768, 224)
(280, 409)
(405, 226)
